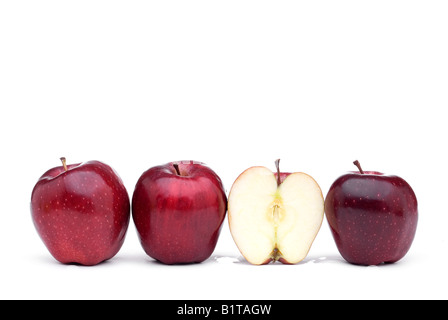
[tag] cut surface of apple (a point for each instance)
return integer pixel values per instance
(272, 220)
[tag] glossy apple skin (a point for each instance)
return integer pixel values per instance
(373, 217)
(179, 218)
(81, 214)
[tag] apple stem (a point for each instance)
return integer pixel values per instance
(277, 165)
(63, 163)
(176, 166)
(356, 163)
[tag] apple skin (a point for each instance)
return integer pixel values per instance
(179, 217)
(283, 176)
(373, 217)
(81, 214)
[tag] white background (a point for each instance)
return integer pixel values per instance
(233, 84)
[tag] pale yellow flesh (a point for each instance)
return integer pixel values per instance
(272, 222)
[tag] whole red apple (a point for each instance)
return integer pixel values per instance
(178, 209)
(372, 216)
(81, 212)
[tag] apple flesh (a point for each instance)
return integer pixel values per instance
(178, 210)
(372, 216)
(81, 212)
(274, 216)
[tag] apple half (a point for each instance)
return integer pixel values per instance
(274, 216)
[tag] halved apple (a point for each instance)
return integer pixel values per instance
(274, 216)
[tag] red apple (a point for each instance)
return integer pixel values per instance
(178, 209)
(81, 212)
(372, 216)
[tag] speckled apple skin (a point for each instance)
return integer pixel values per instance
(373, 217)
(81, 214)
(179, 218)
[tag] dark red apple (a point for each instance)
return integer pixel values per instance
(372, 216)
(178, 209)
(81, 212)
